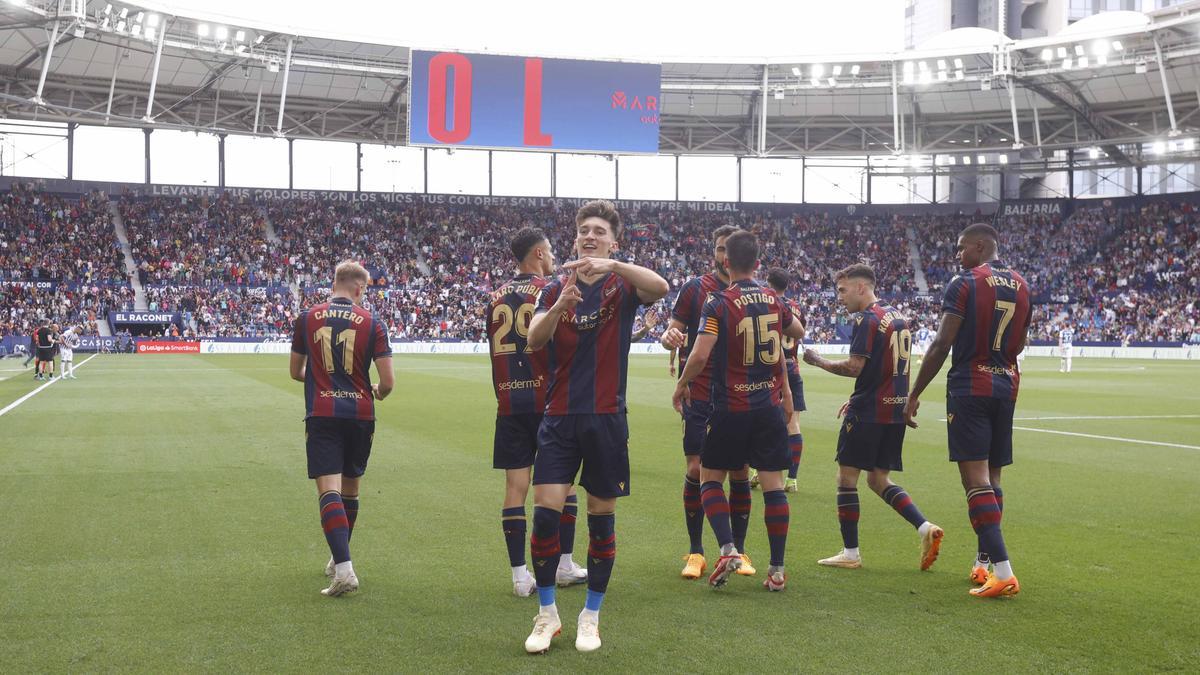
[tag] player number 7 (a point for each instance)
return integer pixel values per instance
(1007, 309)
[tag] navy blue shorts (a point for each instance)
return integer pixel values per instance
(338, 446)
(870, 445)
(695, 426)
(796, 383)
(980, 427)
(600, 443)
(756, 437)
(515, 442)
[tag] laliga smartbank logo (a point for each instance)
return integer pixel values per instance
(648, 104)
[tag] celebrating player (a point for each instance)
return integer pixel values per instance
(985, 315)
(521, 377)
(68, 342)
(680, 337)
(741, 330)
(779, 280)
(1066, 348)
(333, 347)
(585, 321)
(872, 436)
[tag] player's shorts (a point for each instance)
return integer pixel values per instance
(756, 437)
(338, 446)
(870, 445)
(796, 384)
(1067, 352)
(515, 442)
(600, 443)
(695, 425)
(66, 355)
(45, 353)
(980, 427)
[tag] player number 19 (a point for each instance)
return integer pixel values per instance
(901, 351)
(344, 338)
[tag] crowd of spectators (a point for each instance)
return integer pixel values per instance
(239, 268)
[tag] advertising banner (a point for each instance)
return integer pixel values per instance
(529, 103)
(157, 347)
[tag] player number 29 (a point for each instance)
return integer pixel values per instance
(345, 339)
(508, 322)
(765, 335)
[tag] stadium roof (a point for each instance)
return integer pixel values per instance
(963, 93)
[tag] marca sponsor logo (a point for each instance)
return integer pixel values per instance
(647, 104)
(1033, 209)
(148, 347)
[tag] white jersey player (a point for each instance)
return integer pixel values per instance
(67, 343)
(1066, 339)
(924, 340)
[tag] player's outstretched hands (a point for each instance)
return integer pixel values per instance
(569, 297)
(672, 338)
(590, 267)
(843, 410)
(682, 395)
(811, 356)
(910, 412)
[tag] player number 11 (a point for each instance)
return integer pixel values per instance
(344, 338)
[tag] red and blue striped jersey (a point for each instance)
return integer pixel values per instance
(747, 360)
(589, 352)
(519, 376)
(341, 340)
(994, 303)
(791, 346)
(880, 391)
(688, 306)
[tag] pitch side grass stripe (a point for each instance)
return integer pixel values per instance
(31, 394)
(1110, 438)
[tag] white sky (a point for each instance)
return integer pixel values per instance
(632, 29)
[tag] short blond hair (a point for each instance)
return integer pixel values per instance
(350, 272)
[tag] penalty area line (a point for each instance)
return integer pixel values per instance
(31, 394)
(1110, 438)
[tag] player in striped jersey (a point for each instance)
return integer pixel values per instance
(872, 435)
(585, 321)
(986, 312)
(520, 378)
(333, 347)
(779, 280)
(679, 338)
(741, 330)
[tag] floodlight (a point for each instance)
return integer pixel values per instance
(960, 75)
(950, 160)
(923, 66)
(202, 30)
(795, 69)
(1102, 60)
(137, 29)
(121, 26)
(943, 76)
(1140, 68)
(1083, 62)
(108, 9)
(222, 33)
(1062, 52)
(837, 70)
(926, 77)
(151, 33)
(985, 84)
(981, 159)
(1047, 54)
(273, 66)
(1100, 47)
(966, 160)
(1189, 144)
(1158, 147)
(855, 69)
(908, 66)
(1117, 46)
(240, 36)
(141, 16)
(124, 12)
(1066, 64)
(1078, 50)
(241, 48)
(152, 21)
(818, 71)
(1003, 159)
(958, 63)
(832, 82)
(941, 64)
(1094, 153)
(258, 40)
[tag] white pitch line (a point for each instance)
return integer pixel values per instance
(31, 394)
(1105, 417)
(1110, 438)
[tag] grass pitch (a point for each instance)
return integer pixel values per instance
(158, 519)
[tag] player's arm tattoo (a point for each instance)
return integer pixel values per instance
(850, 367)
